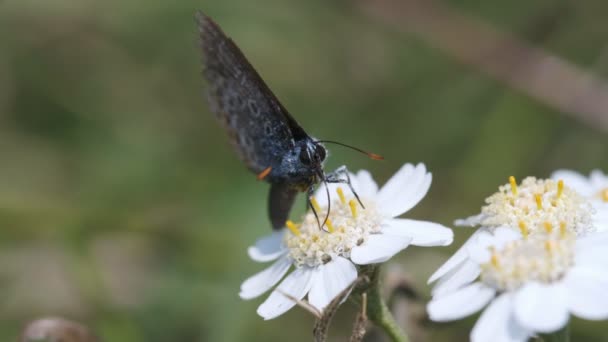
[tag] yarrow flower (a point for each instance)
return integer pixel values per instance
(533, 207)
(594, 188)
(324, 260)
(532, 283)
(536, 258)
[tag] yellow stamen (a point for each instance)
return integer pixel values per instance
(605, 195)
(513, 185)
(353, 207)
(330, 226)
(539, 201)
(341, 195)
(549, 246)
(560, 188)
(292, 227)
(523, 228)
(494, 259)
(562, 229)
(548, 227)
(315, 204)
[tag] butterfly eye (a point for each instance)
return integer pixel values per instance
(305, 157)
(320, 153)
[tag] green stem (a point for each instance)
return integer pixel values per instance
(378, 312)
(562, 335)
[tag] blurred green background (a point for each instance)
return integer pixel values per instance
(123, 206)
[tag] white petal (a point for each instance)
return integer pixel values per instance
(263, 281)
(478, 249)
(497, 323)
(455, 260)
(587, 293)
(268, 248)
(600, 219)
(470, 221)
(423, 233)
(597, 259)
(591, 251)
(397, 182)
(574, 180)
(366, 186)
(296, 285)
(461, 303)
(332, 278)
(464, 274)
(378, 248)
(541, 308)
(598, 179)
(404, 190)
(591, 241)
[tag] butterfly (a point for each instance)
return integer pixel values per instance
(266, 137)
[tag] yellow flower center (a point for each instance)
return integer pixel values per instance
(537, 205)
(544, 257)
(348, 226)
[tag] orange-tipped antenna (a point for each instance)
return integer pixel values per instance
(373, 156)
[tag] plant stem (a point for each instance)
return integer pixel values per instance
(378, 312)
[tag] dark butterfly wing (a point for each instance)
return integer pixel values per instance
(280, 201)
(260, 128)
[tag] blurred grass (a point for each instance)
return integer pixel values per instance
(123, 206)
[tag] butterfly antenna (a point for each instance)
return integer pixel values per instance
(373, 156)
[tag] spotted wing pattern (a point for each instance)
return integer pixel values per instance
(260, 128)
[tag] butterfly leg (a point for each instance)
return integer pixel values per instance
(309, 195)
(341, 175)
(313, 208)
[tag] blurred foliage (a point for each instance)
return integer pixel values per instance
(123, 206)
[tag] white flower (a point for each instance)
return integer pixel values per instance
(594, 188)
(324, 260)
(529, 208)
(532, 284)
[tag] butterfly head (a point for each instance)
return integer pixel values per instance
(303, 166)
(312, 155)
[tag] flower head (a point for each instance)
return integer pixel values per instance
(532, 284)
(324, 259)
(540, 257)
(533, 207)
(347, 227)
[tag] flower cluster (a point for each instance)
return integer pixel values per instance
(364, 232)
(537, 256)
